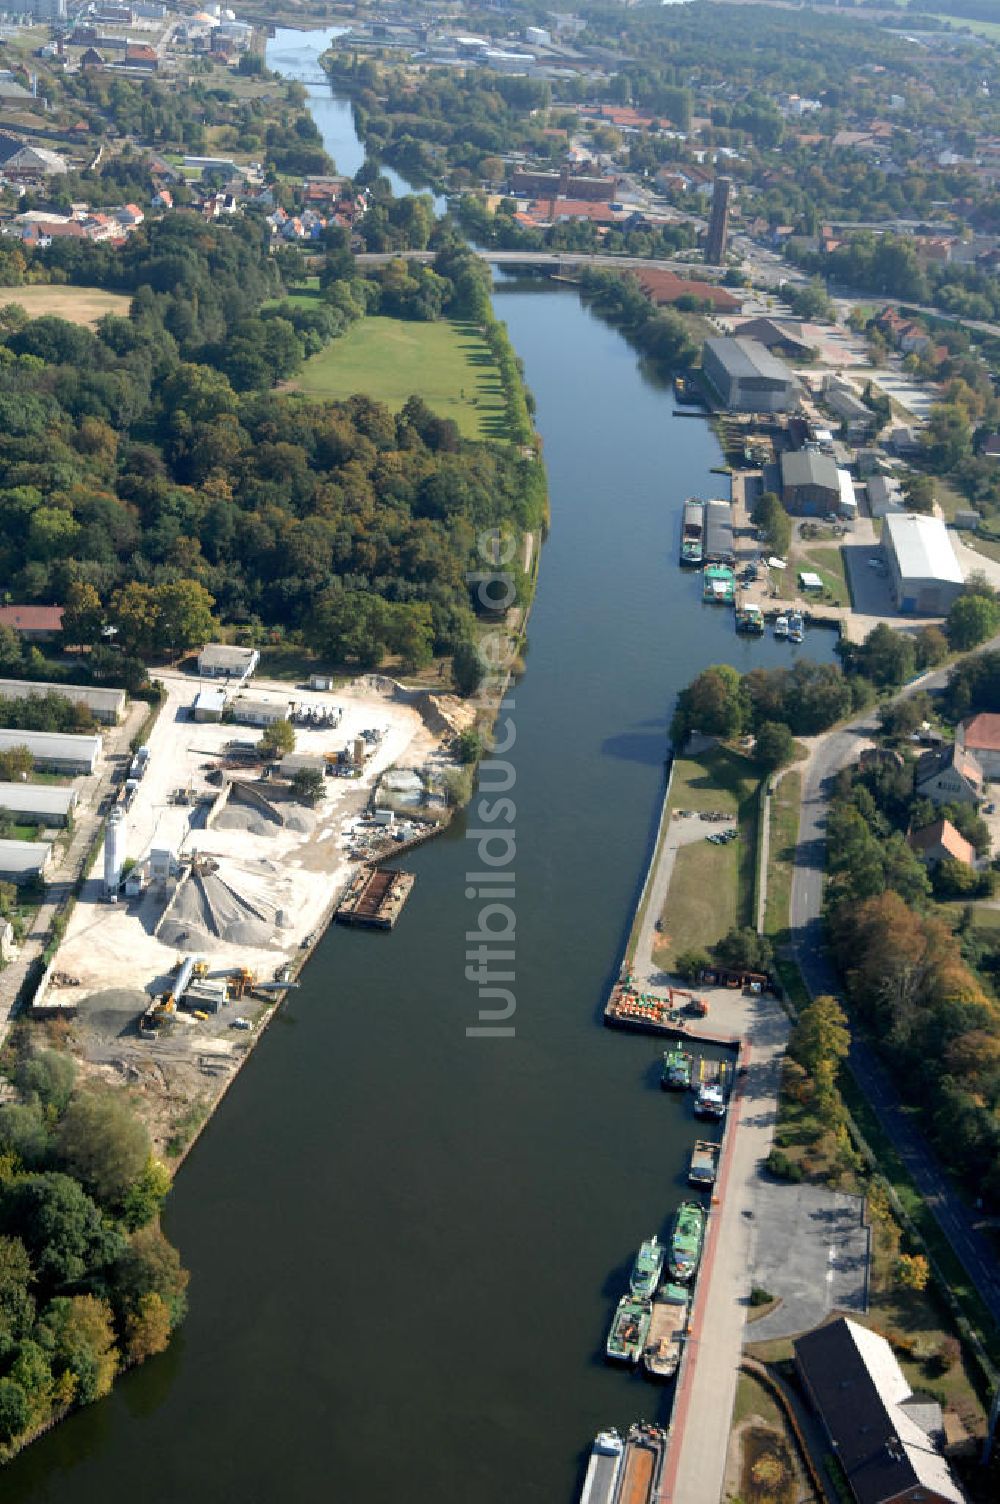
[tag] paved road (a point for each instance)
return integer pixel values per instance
(829, 755)
(763, 275)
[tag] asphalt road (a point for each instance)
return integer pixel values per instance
(957, 1221)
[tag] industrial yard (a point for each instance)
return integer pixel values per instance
(223, 879)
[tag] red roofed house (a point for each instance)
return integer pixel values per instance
(981, 736)
(33, 623)
(939, 841)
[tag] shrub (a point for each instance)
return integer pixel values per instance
(782, 1167)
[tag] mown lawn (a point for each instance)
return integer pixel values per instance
(827, 562)
(711, 889)
(783, 834)
(448, 364)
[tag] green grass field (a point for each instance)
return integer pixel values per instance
(781, 853)
(989, 29)
(448, 364)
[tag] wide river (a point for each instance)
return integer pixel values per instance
(406, 1244)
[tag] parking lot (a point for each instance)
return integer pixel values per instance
(810, 1250)
(871, 594)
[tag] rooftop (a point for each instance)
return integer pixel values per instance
(982, 732)
(746, 360)
(37, 798)
(943, 833)
(922, 547)
(24, 856)
(32, 618)
(808, 467)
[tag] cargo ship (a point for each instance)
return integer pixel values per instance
(645, 1450)
(647, 1269)
(719, 545)
(686, 1238)
(719, 587)
(603, 1469)
(627, 1336)
(676, 1073)
(710, 1101)
(796, 627)
(662, 1354)
(704, 1166)
(693, 532)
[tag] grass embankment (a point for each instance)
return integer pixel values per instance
(447, 363)
(78, 305)
(782, 836)
(712, 886)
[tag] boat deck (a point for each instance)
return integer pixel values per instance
(644, 1453)
(375, 897)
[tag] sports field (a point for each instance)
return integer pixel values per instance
(447, 364)
(78, 305)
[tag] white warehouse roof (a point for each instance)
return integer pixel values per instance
(57, 745)
(106, 702)
(922, 548)
(24, 857)
(37, 799)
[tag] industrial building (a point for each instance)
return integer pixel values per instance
(256, 712)
(810, 486)
(218, 660)
(24, 861)
(924, 574)
(302, 762)
(41, 803)
(747, 378)
(885, 1438)
(56, 751)
(209, 704)
(105, 705)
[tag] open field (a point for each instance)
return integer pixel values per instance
(78, 305)
(827, 562)
(989, 29)
(711, 888)
(447, 364)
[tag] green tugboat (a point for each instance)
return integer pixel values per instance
(647, 1269)
(719, 585)
(629, 1330)
(677, 1067)
(686, 1238)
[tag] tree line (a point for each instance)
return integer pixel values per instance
(88, 1282)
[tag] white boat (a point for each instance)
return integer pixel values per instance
(781, 626)
(710, 1101)
(604, 1469)
(796, 627)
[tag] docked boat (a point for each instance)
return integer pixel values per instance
(686, 392)
(642, 1468)
(603, 1469)
(710, 1101)
(677, 1067)
(662, 1354)
(781, 626)
(686, 1238)
(704, 1166)
(693, 532)
(750, 619)
(796, 627)
(629, 1329)
(647, 1269)
(719, 544)
(719, 586)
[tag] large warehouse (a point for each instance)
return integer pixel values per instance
(23, 861)
(748, 378)
(41, 803)
(55, 751)
(106, 705)
(810, 486)
(924, 574)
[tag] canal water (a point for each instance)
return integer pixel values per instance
(406, 1244)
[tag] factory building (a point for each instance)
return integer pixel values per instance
(24, 861)
(37, 803)
(56, 751)
(810, 486)
(105, 705)
(924, 574)
(747, 378)
(257, 712)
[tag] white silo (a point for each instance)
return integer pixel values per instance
(114, 853)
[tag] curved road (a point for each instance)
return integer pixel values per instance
(832, 752)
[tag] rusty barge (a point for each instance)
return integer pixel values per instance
(375, 897)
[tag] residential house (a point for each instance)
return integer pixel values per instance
(885, 1440)
(947, 775)
(33, 623)
(941, 842)
(980, 735)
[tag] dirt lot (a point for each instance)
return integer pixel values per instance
(79, 305)
(253, 883)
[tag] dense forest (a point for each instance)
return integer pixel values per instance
(88, 1282)
(152, 478)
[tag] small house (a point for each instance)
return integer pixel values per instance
(941, 842)
(947, 775)
(980, 736)
(209, 704)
